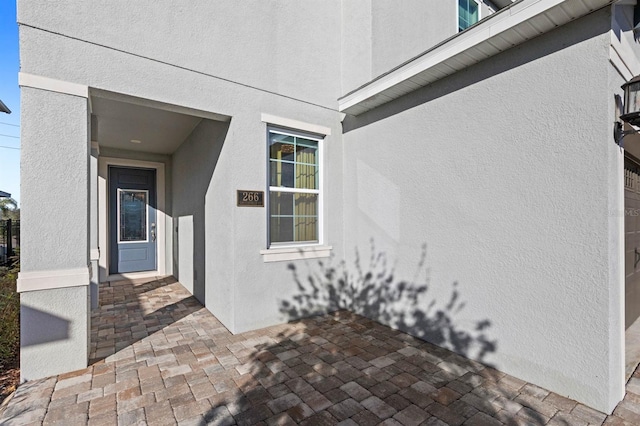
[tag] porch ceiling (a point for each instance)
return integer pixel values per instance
(157, 130)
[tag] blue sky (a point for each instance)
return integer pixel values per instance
(10, 95)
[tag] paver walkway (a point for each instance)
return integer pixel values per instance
(161, 358)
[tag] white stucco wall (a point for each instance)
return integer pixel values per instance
(507, 172)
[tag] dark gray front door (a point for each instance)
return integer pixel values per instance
(132, 220)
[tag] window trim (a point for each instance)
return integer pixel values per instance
(457, 6)
(295, 247)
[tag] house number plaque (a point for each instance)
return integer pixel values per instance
(250, 198)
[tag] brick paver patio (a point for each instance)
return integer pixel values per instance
(160, 358)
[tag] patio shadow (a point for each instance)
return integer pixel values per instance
(349, 357)
(374, 291)
(323, 369)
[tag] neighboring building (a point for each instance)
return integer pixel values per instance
(364, 123)
(4, 194)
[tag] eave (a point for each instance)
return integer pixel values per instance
(509, 27)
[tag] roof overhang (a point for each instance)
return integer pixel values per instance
(4, 108)
(522, 21)
(502, 3)
(4, 194)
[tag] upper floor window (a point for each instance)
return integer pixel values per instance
(294, 188)
(468, 13)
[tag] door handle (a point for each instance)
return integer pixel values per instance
(153, 232)
(637, 258)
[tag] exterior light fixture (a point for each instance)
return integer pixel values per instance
(630, 110)
(631, 101)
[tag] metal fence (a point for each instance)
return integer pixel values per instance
(9, 239)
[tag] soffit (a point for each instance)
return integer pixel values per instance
(159, 131)
(509, 27)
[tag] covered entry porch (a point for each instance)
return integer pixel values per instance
(82, 246)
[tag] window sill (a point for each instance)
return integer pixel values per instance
(282, 254)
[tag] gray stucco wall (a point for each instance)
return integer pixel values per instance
(400, 33)
(54, 327)
(58, 142)
(356, 44)
(195, 217)
(54, 173)
(505, 173)
(226, 270)
(380, 35)
(513, 224)
(273, 46)
(233, 260)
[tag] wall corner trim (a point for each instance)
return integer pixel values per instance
(52, 85)
(295, 124)
(48, 280)
(95, 254)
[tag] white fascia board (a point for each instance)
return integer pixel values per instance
(619, 64)
(624, 53)
(52, 85)
(494, 26)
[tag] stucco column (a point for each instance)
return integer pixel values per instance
(55, 273)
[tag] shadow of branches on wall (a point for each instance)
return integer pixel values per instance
(370, 287)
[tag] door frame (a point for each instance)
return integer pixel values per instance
(103, 217)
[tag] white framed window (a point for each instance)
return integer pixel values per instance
(295, 192)
(468, 13)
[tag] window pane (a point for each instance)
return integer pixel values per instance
(306, 216)
(306, 229)
(473, 13)
(281, 174)
(306, 176)
(306, 154)
(294, 217)
(281, 203)
(281, 220)
(133, 215)
(281, 229)
(281, 147)
(468, 13)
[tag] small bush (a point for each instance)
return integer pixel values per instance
(9, 316)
